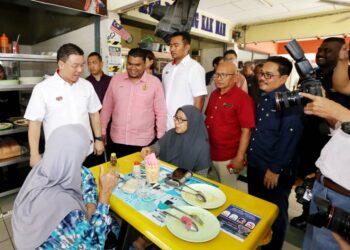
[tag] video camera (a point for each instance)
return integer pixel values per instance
(330, 217)
(307, 83)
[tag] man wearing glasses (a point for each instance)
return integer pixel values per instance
(183, 78)
(63, 99)
(229, 119)
(272, 152)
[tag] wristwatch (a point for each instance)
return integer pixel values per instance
(345, 126)
(99, 138)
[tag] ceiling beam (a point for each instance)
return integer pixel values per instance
(332, 23)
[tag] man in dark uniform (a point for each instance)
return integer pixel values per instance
(316, 131)
(273, 146)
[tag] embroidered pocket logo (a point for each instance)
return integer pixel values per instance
(228, 105)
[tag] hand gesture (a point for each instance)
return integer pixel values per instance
(344, 53)
(238, 164)
(145, 151)
(107, 182)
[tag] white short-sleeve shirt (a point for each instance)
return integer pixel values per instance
(334, 160)
(55, 103)
(182, 83)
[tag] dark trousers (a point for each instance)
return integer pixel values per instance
(279, 196)
(122, 149)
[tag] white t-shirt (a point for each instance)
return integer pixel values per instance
(334, 161)
(182, 83)
(56, 103)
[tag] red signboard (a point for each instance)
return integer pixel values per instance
(96, 7)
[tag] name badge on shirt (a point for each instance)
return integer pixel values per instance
(59, 98)
(228, 105)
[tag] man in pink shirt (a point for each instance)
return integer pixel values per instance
(135, 102)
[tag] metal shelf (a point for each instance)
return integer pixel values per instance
(27, 57)
(18, 87)
(14, 130)
(14, 160)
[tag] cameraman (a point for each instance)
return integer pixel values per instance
(333, 175)
(315, 134)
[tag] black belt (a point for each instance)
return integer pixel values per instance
(331, 184)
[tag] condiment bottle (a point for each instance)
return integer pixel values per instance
(137, 170)
(4, 43)
(114, 162)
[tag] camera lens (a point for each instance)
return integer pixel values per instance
(288, 99)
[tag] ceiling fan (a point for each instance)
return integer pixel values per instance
(343, 3)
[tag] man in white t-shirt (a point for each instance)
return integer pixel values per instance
(183, 78)
(62, 99)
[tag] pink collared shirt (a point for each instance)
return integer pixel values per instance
(138, 110)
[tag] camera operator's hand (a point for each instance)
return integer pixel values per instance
(341, 81)
(270, 179)
(343, 244)
(325, 108)
(344, 53)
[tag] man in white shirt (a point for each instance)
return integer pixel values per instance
(183, 78)
(62, 99)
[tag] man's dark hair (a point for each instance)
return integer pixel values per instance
(230, 51)
(138, 52)
(68, 49)
(216, 60)
(339, 40)
(186, 37)
(95, 54)
(284, 65)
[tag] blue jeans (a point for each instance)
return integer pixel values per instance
(321, 238)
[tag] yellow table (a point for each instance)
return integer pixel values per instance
(162, 237)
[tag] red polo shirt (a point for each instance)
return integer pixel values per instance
(226, 115)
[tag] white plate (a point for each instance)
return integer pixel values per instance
(214, 196)
(5, 125)
(30, 79)
(209, 230)
(8, 82)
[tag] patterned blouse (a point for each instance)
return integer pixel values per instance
(75, 231)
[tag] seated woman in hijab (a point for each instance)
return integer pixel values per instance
(185, 146)
(56, 206)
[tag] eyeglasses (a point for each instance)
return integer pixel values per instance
(179, 119)
(267, 75)
(221, 75)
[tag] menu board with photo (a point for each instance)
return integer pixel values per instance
(237, 222)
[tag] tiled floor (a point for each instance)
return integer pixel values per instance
(293, 240)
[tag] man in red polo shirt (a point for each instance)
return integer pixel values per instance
(229, 118)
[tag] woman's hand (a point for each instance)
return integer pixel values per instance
(146, 151)
(106, 183)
